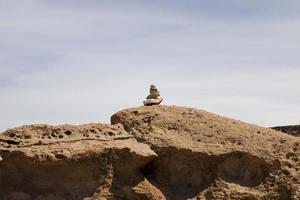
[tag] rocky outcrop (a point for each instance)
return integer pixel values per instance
(150, 153)
(70, 162)
(205, 156)
(292, 130)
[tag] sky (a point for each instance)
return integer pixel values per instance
(81, 61)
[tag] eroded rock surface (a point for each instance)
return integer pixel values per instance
(150, 153)
(69, 162)
(205, 156)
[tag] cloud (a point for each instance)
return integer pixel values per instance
(80, 61)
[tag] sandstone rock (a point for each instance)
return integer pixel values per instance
(205, 156)
(150, 153)
(73, 167)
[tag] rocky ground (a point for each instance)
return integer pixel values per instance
(150, 153)
(292, 130)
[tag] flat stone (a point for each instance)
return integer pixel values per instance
(153, 87)
(153, 96)
(150, 102)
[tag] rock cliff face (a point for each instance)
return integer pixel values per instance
(151, 153)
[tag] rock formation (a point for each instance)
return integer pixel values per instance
(292, 130)
(205, 156)
(45, 162)
(150, 153)
(153, 98)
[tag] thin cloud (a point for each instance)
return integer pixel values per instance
(63, 62)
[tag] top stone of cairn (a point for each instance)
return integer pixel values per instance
(153, 98)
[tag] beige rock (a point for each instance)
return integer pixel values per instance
(150, 153)
(88, 158)
(205, 156)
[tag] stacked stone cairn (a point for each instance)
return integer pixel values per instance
(153, 98)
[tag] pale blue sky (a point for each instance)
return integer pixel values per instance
(80, 61)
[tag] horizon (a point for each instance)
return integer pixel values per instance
(79, 62)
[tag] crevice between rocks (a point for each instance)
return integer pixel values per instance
(182, 174)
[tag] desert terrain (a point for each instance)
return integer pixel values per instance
(150, 153)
